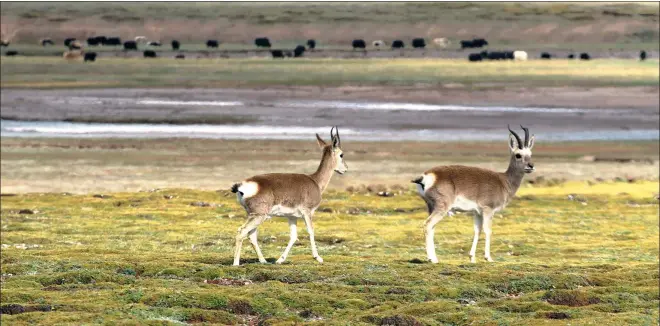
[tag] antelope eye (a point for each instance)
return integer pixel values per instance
(341, 155)
(518, 156)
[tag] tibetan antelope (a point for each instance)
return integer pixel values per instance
(288, 195)
(457, 188)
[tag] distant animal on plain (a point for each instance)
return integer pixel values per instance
(154, 43)
(585, 56)
(130, 45)
(418, 43)
(359, 44)
(212, 43)
(474, 57)
(277, 54)
(180, 56)
(520, 55)
(299, 51)
(68, 41)
(46, 42)
(11, 53)
(311, 44)
(262, 42)
(398, 44)
(378, 44)
(75, 45)
(4, 43)
(441, 42)
(149, 54)
(140, 39)
(175, 45)
(642, 55)
(546, 55)
(90, 56)
(114, 41)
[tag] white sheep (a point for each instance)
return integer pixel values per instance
(378, 44)
(441, 42)
(519, 55)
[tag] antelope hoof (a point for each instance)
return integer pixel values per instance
(236, 264)
(280, 260)
(488, 259)
(263, 261)
(473, 259)
(319, 259)
(433, 260)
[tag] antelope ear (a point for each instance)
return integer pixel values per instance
(513, 143)
(530, 144)
(320, 141)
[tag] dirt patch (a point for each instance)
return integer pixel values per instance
(15, 309)
(240, 307)
(570, 298)
(228, 282)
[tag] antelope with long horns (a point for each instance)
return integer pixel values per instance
(458, 188)
(288, 195)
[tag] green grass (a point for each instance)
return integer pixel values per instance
(139, 258)
(116, 72)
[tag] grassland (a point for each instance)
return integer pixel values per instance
(118, 72)
(141, 258)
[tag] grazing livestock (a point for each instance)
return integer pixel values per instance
(175, 45)
(154, 43)
(475, 57)
(441, 42)
(311, 44)
(92, 41)
(72, 55)
(398, 44)
(211, 43)
(418, 43)
(277, 53)
(149, 54)
(475, 43)
(262, 42)
(378, 44)
(102, 40)
(113, 41)
(90, 56)
(68, 41)
(130, 45)
(497, 55)
(180, 56)
(571, 56)
(298, 51)
(140, 39)
(359, 44)
(642, 55)
(46, 41)
(545, 55)
(75, 45)
(4, 43)
(584, 56)
(520, 55)
(11, 53)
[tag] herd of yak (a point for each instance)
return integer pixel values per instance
(75, 48)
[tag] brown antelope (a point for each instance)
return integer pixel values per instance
(288, 195)
(457, 188)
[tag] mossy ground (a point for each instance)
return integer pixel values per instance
(141, 258)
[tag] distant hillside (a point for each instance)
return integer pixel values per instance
(335, 23)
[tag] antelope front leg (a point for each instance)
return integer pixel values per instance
(310, 230)
(478, 221)
(251, 224)
(293, 237)
(429, 230)
(255, 245)
(487, 225)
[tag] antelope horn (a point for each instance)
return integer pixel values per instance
(520, 145)
(526, 135)
(338, 139)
